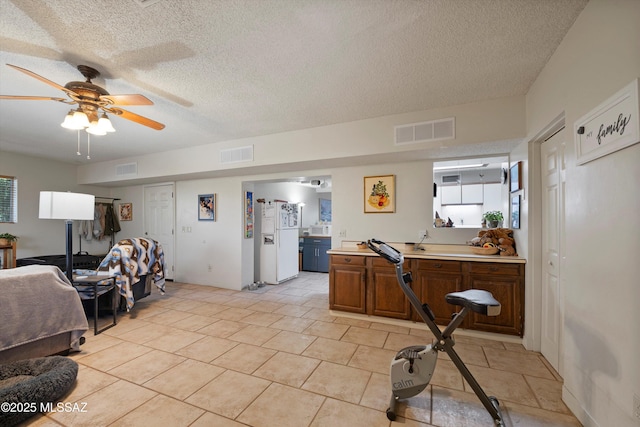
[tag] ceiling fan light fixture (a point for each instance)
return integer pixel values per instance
(95, 129)
(105, 124)
(79, 120)
(75, 120)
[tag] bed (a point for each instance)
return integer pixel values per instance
(41, 313)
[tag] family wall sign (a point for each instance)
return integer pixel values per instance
(611, 126)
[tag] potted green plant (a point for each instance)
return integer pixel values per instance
(7, 238)
(493, 218)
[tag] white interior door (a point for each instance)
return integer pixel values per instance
(159, 221)
(553, 189)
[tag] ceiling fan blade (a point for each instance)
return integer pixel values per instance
(133, 99)
(36, 98)
(136, 118)
(39, 77)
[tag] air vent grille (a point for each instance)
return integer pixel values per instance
(433, 130)
(450, 179)
(127, 169)
(237, 155)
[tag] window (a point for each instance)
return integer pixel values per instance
(8, 199)
(467, 188)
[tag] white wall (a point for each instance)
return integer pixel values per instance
(486, 121)
(599, 56)
(39, 236)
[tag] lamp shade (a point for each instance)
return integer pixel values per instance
(60, 205)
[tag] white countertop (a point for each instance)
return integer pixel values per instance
(429, 251)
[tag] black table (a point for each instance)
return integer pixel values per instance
(92, 288)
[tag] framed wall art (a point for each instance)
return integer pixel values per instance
(380, 194)
(325, 210)
(125, 211)
(206, 207)
(248, 215)
(515, 177)
(515, 212)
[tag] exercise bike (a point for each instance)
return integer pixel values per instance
(412, 367)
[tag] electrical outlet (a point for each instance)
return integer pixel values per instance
(636, 406)
(343, 233)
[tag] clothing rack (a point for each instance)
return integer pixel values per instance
(113, 237)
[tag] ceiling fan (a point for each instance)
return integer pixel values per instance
(91, 100)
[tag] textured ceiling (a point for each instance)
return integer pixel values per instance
(222, 70)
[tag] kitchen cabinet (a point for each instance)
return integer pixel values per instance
(472, 194)
(347, 283)
(368, 285)
(450, 195)
(385, 297)
(506, 283)
(433, 279)
(314, 254)
(468, 194)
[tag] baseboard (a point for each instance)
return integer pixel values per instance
(574, 406)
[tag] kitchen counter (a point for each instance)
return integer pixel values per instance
(362, 282)
(429, 251)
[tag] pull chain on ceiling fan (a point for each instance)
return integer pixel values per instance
(93, 103)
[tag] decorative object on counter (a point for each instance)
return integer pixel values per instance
(361, 245)
(493, 218)
(206, 207)
(7, 238)
(515, 211)
(491, 250)
(439, 222)
(515, 175)
(379, 194)
(499, 238)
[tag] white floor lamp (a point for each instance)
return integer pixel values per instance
(67, 206)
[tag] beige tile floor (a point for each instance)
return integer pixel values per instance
(206, 356)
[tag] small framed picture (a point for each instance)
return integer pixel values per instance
(379, 194)
(125, 211)
(515, 212)
(206, 207)
(515, 177)
(248, 215)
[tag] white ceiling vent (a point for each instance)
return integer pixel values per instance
(433, 130)
(127, 169)
(236, 155)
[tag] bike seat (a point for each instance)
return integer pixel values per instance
(476, 300)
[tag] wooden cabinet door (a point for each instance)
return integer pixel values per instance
(347, 284)
(506, 283)
(433, 280)
(385, 295)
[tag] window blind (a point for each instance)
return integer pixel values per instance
(8, 199)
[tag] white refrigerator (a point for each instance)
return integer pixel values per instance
(279, 242)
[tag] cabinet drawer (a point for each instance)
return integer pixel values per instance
(494, 268)
(348, 260)
(379, 262)
(439, 265)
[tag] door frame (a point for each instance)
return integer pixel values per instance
(173, 225)
(533, 272)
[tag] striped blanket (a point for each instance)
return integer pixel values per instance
(131, 258)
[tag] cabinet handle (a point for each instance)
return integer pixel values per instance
(493, 268)
(347, 260)
(437, 265)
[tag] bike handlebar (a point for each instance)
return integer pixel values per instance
(387, 252)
